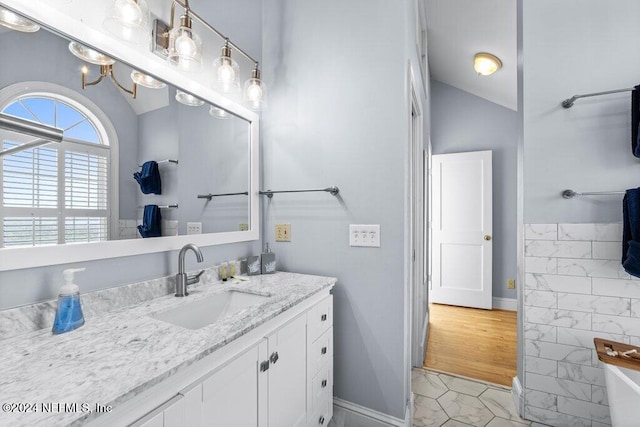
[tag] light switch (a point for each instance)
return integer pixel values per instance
(367, 235)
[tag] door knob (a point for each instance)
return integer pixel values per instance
(487, 237)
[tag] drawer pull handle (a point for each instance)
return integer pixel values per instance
(324, 383)
(264, 366)
(321, 420)
(324, 350)
(323, 318)
(274, 357)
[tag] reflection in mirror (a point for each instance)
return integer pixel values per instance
(83, 189)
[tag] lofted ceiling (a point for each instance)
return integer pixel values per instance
(458, 29)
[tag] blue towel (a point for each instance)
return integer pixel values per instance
(151, 222)
(149, 178)
(635, 121)
(631, 232)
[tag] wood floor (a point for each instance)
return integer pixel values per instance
(471, 342)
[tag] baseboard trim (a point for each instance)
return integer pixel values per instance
(505, 304)
(516, 395)
(366, 414)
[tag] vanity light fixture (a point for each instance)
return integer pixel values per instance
(486, 64)
(146, 80)
(16, 22)
(226, 73)
(188, 99)
(106, 66)
(129, 20)
(218, 112)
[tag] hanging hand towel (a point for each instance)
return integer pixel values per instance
(151, 222)
(631, 232)
(149, 178)
(635, 121)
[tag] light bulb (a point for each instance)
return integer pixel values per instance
(84, 69)
(254, 92)
(486, 64)
(226, 74)
(185, 45)
(128, 11)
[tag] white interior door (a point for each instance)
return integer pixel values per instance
(462, 229)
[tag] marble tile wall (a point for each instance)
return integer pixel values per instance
(575, 289)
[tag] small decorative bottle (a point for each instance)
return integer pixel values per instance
(268, 261)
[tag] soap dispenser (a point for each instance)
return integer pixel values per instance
(69, 313)
(268, 261)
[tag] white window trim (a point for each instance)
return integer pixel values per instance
(98, 118)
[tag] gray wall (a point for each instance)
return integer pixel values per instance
(49, 60)
(338, 115)
(26, 286)
(465, 122)
(583, 46)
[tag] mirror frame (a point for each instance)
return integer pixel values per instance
(85, 26)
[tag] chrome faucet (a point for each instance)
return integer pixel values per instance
(182, 279)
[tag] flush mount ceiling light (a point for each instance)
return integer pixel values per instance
(146, 80)
(16, 22)
(183, 48)
(129, 20)
(486, 64)
(106, 66)
(188, 99)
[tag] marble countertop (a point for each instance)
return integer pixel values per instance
(120, 354)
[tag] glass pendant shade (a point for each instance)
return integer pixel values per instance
(218, 113)
(226, 73)
(89, 55)
(129, 20)
(16, 22)
(188, 99)
(255, 92)
(185, 47)
(146, 80)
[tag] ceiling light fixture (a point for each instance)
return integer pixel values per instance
(188, 99)
(218, 112)
(16, 22)
(226, 73)
(129, 20)
(106, 66)
(486, 64)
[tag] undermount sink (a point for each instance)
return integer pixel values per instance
(208, 310)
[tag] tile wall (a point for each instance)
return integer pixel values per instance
(575, 289)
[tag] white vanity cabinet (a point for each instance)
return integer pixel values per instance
(282, 379)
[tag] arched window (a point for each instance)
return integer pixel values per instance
(56, 193)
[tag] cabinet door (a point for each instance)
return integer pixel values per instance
(230, 395)
(287, 375)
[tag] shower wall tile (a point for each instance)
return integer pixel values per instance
(575, 290)
(558, 249)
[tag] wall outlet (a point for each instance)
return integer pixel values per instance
(283, 232)
(194, 228)
(364, 235)
(244, 227)
(511, 284)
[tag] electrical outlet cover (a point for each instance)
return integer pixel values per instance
(194, 228)
(283, 232)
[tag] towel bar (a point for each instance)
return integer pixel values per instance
(333, 190)
(568, 103)
(570, 194)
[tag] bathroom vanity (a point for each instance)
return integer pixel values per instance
(266, 361)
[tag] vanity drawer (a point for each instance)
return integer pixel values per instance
(322, 415)
(321, 352)
(320, 318)
(322, 386)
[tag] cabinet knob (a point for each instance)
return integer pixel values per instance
(274, 357)
(324, 350)
(324, 383)
(323, 318)
(264, 366)
(487, 237)
(321, 420)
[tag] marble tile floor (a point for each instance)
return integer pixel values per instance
(443, 400)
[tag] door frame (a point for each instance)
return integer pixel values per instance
(415, 216)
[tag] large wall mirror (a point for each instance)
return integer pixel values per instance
(195, 161)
